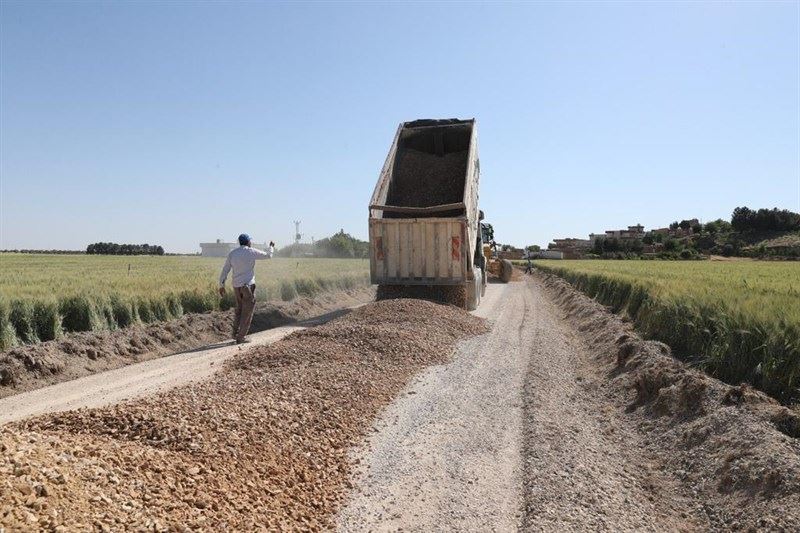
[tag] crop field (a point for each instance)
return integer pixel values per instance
(738, 320)
(42, 296)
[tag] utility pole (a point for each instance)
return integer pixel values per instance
(297, 234)
(297, 237)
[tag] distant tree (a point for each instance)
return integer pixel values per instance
(341, 244)
(705, 242)
(717, 226)
(728, 249)
(533, 248)
(674, 225)
(684, 224)
(697, 228)
(671, 245)
(611, 245)
(648, 238)
(742, 218)
(111, 248)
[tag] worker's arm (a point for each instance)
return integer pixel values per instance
(261, 255)
(224, 275)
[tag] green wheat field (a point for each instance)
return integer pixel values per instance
(43, 296)
(738, 320)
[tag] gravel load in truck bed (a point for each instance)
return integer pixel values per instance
(261, 445)
(421, 179)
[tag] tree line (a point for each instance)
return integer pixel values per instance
(54, 252)
(746, 219)
(112, 248)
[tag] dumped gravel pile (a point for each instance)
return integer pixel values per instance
(261, 445)
(447, 294)
(736, 449)
(80, 354)
(421, 179)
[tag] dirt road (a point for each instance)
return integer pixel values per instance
(532, 427)
(446, 454)
(130, 381)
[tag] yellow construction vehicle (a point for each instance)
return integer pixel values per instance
(501, 269)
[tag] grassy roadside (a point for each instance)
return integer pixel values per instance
(43, 296)
(739, 321)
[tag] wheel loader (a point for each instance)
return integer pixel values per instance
(501, 269)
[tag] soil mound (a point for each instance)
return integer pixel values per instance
(262, 445)
(736, 447)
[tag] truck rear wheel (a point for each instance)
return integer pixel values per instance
(474, 290)
(506, 269)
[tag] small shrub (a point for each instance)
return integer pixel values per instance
(198, 302)
(21, 317)
(77, 314)
(124, 311)
(159, 309)
(144, 312)
(347, 283)
(728, 249)
(174, 305)
(263, 293)
(228, 301)
(8, 337)
(288, 291)
(47, 321)
(105, 314)
(306, 287)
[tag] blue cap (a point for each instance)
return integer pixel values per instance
(244, 238)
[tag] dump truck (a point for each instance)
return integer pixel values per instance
(424, 221)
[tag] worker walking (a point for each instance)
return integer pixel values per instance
(242, 261)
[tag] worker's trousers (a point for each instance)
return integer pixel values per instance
(245, 304)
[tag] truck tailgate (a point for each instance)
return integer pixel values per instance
(418, 251)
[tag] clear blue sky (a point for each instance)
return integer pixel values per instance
(180, 122)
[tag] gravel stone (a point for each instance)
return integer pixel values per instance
(263, 444)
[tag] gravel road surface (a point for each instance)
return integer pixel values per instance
(446, 454)
(507, 436)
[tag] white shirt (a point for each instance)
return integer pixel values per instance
(243, 262)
